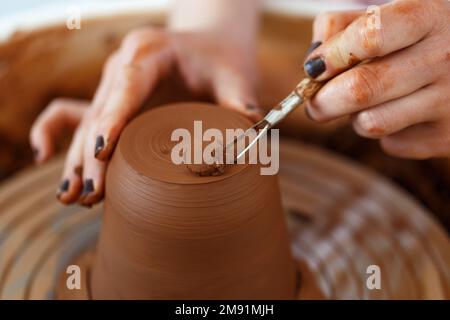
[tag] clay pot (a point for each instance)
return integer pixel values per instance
(168, 234)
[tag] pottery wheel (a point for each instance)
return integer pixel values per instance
(342, 218)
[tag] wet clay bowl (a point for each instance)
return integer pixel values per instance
(170, 234)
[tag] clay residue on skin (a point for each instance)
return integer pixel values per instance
(371, 38)
(353, 59)
(166, 232)
(407, 8)
(377, 131)
(369, 81)
(361, 88)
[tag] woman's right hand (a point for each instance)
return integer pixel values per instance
(221, 68)
(388, 70)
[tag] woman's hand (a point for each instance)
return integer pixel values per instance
(214, 62)
(401, 93)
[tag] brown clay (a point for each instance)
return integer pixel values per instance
(205, 170)
(169, 234)
(353, 60)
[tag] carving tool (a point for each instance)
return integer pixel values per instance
(305, 90)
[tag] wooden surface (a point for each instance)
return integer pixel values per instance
(341, 216)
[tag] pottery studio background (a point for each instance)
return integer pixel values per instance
(41, 59)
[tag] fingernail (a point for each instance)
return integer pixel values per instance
(99, 144)
(315, 67)
(64, 186)
(88, 187)
(313, 47)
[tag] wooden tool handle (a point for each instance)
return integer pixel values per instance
(307, 88)
(302, 92)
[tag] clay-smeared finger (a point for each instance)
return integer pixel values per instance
(374, 34)
(376, 82)
(61, 114)
(93, 174)
(143, 60)
(106, 81)
(396, 115)
(93, 183)
(419, 142)
(235, 91)
(70, 185)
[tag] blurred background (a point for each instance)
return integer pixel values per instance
(11, 7)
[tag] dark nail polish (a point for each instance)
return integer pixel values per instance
(64, 186)
(315, 67)
(88, 187)
(313, 47)
(99, 144)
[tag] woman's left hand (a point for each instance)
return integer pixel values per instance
(400, 94)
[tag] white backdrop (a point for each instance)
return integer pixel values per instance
(22, 15)
(9, 7)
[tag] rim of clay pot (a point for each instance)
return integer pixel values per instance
(53, 14)
(157, 178)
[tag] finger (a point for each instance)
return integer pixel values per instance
(375, 34)
(71, 184)
(419, 142)
(59, 115)
(144, 59)
(328, 24)
(93, 173)
(106, 81)
(234, 91)
(376, 82)
(424, 105)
